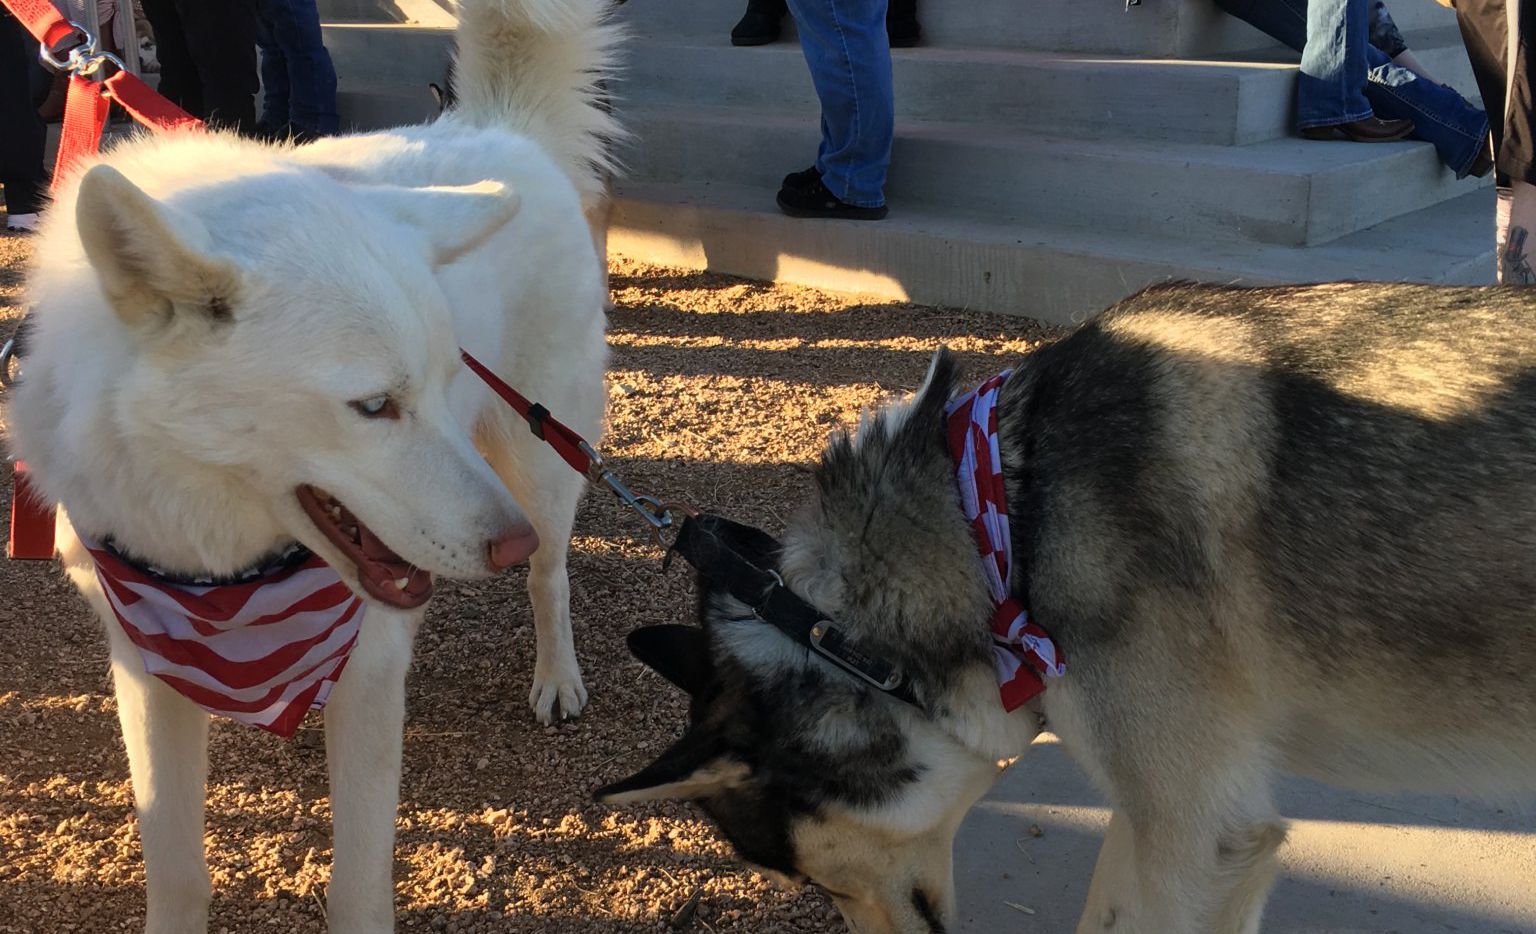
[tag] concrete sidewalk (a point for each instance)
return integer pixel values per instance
(1354, 862)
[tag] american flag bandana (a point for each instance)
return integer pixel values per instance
(262, 652)
(1023, 653)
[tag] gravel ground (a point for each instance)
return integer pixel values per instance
(721, 391)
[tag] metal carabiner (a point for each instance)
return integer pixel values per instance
(7, 359)
(63, 61)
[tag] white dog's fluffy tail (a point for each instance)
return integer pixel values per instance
(534, 67)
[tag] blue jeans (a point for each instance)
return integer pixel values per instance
(849, 54)
(1440, 116)
(297, 78)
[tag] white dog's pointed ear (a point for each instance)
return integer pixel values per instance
(689, 769)
(149, 257)
(455, 219)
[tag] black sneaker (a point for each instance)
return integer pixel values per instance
(761, 24)
(804, 180)
(817, 201)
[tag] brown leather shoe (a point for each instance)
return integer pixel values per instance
(1368, 130)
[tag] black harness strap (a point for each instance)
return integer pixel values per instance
(709, 544)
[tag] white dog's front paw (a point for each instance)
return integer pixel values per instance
(557, 694)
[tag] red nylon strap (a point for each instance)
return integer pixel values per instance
(31, 520)
(42, 20)
(568, 444)
(145, 104)
(85, 113)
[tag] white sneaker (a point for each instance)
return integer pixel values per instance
(26, 222)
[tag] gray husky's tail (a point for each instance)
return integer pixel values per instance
(536, 67)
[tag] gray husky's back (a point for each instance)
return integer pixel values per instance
(1308, 508)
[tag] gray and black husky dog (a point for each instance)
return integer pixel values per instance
(1273, 530)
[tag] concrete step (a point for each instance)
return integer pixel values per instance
(1157, 27)
(1056, 274)
(1061, 94)
(400, 53)
(423, 12)
(1285, 191)
(1244, 100)
(368, 104)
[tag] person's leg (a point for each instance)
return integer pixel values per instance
(849, 56)
(311, 78)
(178, 73)
(1331, 87)
(1497, 32)
(1516, 158)
(1458, 130)
(21, 130)
(901, 24)
(760, 24)
(274, 80)
(222, 36)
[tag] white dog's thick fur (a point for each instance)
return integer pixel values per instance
(210, 314)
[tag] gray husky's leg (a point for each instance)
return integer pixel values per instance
(1200, 861)
(1250, 864)
(166, 736)
(364, 723)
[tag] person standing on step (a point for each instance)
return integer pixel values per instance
(849, 56)
(1334, 38)
(22, 135)
(298, 80)
(762, 22)
(1400, 99)
(207, 52)
(1499, 35)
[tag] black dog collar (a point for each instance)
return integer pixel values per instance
(706, 542)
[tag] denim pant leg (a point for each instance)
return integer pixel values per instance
(1440, 115)
(1331, 88)
(294, 26)
(274, 78)
(849, 55)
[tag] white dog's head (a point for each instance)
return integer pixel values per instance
(281, 354)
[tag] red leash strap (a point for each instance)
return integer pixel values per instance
(31, 519)
(145, 104)
(42, 20)
(571, 447)
(85, 113)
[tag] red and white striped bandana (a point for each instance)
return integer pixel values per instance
(261, 652)
(1023, 652)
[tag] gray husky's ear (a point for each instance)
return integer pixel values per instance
(456, 219)
(938, 386)
(149, 256)
(678, 653)
(689, 769)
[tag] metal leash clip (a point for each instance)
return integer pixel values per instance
(9, 372)
(657, 515)
(84, 58)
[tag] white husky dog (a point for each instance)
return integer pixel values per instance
(237, 347)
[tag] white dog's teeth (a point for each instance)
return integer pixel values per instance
(402, 582)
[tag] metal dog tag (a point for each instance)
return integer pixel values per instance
(830, 643)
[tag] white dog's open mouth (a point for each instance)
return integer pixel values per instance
(386, 576)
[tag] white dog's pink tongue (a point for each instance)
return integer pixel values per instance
(513, 547)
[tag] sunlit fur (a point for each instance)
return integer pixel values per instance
(1272, 530)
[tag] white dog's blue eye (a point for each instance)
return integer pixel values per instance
(380, 406)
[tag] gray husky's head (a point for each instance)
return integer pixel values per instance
(809, 773)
